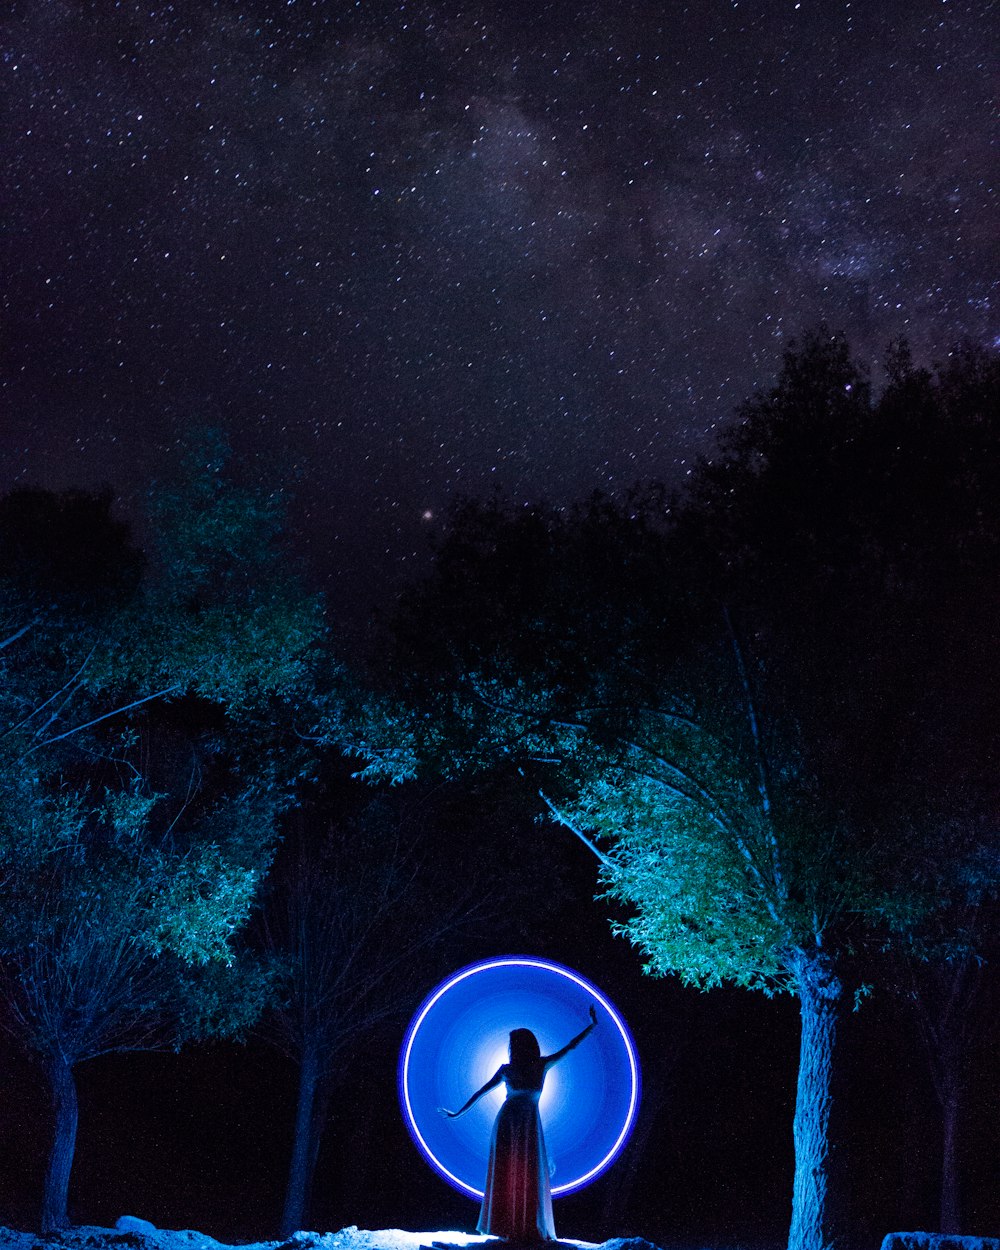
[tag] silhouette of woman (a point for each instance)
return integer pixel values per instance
(517, 1203)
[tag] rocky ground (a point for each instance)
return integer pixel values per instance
(131, 1233)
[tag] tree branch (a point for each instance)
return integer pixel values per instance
(118, 711)
(760, 757)
(12, 638)
(562, 819)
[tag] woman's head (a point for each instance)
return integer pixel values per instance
(524, 1047)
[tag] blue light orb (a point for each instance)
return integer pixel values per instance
(458, 1039)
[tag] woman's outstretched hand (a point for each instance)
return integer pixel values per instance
(450, 1114)
(593, 1014)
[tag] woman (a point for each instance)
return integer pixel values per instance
(517, 1203)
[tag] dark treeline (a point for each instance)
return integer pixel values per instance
(757, 719)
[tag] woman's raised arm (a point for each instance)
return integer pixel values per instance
(549, 1060)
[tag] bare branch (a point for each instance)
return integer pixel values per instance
(760, 756)
(562, 819)
(118, 711)
(70, 686)
(12, 638)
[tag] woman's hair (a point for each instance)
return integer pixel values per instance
(524, 1047)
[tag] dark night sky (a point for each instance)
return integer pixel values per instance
(401, 250)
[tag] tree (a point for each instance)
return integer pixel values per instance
(940, 972)
(350, 914)
(719, 694)
(892, 518)
(88, 638)
(139, 784)
(943, 993)
(92, 937)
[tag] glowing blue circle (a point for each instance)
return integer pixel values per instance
(458, 1039)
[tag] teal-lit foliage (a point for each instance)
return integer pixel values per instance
(146, 754)
(120, 942)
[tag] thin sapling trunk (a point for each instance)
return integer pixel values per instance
(65, 1117)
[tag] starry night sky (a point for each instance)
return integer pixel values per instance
(404, 250)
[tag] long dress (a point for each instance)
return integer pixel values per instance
(517, 1203)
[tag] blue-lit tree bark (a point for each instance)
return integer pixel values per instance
(65, 1118)
(305, 1140)
(819, 991)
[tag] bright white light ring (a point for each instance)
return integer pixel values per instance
(580, 1181)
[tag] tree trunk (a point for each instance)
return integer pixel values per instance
(943, 997)
(654, 1098)
(304, 1151)
(950, 1211)
(55, 1198)
(819, 995)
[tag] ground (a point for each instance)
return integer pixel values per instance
(131, 1233)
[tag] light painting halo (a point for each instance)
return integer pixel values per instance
(458, 1038)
